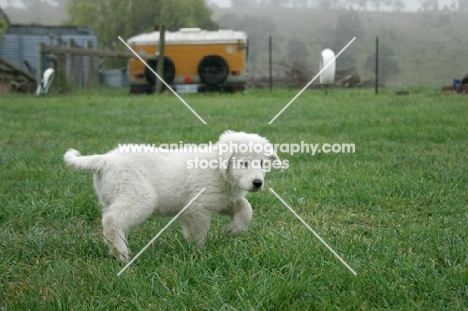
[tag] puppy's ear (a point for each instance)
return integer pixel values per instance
(225, 158)
(276, 162)
(272, 156)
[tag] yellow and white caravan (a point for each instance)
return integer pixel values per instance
(195, 60)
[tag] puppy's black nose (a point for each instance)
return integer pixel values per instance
(257, 183)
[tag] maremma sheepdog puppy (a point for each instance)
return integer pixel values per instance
(133, 186)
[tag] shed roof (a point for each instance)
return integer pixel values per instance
(47, 30)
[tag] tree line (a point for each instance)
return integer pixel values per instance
(113, 18)
(359, 5)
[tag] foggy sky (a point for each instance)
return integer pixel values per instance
(410, 5)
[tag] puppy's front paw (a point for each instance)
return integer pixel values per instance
(124, 259)
(233, 229)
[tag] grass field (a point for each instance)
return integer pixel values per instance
(395, 210)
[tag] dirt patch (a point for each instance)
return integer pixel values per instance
(5, 88)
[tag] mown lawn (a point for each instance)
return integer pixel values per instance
(395, 210)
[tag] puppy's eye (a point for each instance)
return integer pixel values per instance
(246, 164)
(261, 163)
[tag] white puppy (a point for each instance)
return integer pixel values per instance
(134, 186)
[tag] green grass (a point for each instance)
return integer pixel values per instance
(395, 210)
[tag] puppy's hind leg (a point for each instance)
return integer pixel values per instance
(241, 215)
(115, 236)
(117, 220)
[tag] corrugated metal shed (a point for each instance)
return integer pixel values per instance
(10, 49)
(20, 45)
(20, 48)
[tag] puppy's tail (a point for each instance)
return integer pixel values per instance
(74, 159)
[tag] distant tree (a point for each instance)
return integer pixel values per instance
(3, 26)
(4, 22)
(429, 5)
(358, 4)
(388, 66)
(363, 5)
(376, 4)
(462, 5)
(257, 28)
(379, 4)
(113, 18)
(334, 5)
(176, 14)
(398, 5)
(348, 26)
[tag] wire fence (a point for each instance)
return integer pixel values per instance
(401, 64)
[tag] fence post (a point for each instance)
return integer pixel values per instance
(160, 69)
(270, 62)
(39, 62)
(62, 72)
(91, 77)
(72, 66)
(377, 65)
